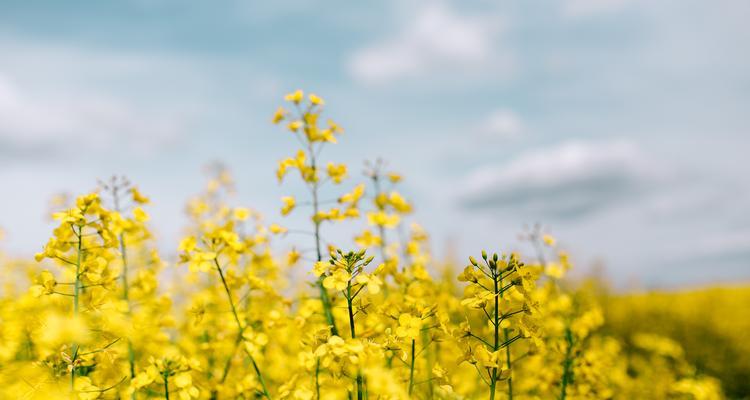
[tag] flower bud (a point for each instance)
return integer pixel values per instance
(473, 261)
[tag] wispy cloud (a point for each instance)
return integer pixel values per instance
(574, 178)
(436, 40)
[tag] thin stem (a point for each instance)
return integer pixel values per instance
(507, 346)
(76, 290)
(429, 359)
(411, 368)
(567, 363)
(240, 330)
(166, 386)
(327, 308)
(496, 323)
(125, 285)
(260, 377)
(349, 299)
(317, 378)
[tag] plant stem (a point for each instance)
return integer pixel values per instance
(240, 331)
(260, 377)
(508, 364)
(166, 386)
(317, 378)
(429, 360)
(76, 290)
(567, 363)
(411, 368)
(507, 348)
(125, 285)
(327, 308)
(353, 333)
(496, 324)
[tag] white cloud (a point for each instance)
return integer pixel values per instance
(52, 97)
(571, 179)
(435, 40)
(94, 120)
(502, 123)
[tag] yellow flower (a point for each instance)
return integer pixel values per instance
(241, 213)
(294, 125)
(336, 172)
(338, 280)
(314, 99)
(279, 115)
(294, 97)
(288, 205)
(380, 218)
(277, 229)
(372, 282)
(409, 326)
(140, 215)
(137, 196)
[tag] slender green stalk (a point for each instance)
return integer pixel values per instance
(411, 367)
(125, 285)
(429, 359)
(507, 349)
(317, 378)
(496, 324)
(166, 386)
(240, 331)
(260, 377)
(76, 291)
(508, 364)
(327, 307)
(567, 363)
(360, 389)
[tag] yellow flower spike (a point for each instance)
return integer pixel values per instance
(294, 97)
(548, 240)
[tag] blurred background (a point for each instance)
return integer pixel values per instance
(620, 125)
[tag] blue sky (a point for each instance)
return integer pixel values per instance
(620, 125)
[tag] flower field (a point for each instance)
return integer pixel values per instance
(100, 313)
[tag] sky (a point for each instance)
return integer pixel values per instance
(621, 126)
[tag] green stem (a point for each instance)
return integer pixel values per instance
(429, 358)
(240, 330)
(260, 377)
(327, 308)
(496, 324)
(126, 297)
(317, 378)
(360, 391)
(411, 367)
(76, 291)
(166, 386)
(508, 364)
(506, 342)
(567, 363)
